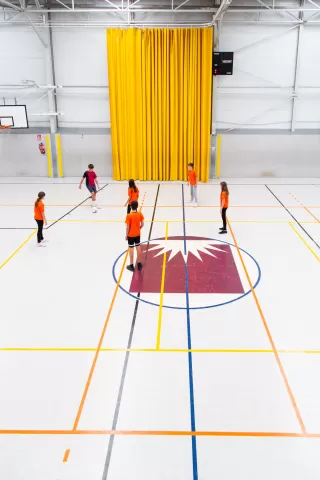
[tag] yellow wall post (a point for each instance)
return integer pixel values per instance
(218, 156)
(59, 155)
(49, 155)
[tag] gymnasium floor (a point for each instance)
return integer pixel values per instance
(204, 370)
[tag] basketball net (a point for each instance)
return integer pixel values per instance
(5, 128)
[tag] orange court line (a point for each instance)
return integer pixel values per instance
(161, 433)
(159, 206)
(306, 208)
(93, 366)
(66, 455)
(312, 214)
(290, 393)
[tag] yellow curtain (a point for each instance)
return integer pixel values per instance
(160, 85)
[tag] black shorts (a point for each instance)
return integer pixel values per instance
(92, 188)
(134, 241)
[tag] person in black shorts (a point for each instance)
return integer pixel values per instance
(134, 223)
(92, 184)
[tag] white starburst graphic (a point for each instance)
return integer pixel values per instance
(192, 246)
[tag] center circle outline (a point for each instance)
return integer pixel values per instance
(139, 299)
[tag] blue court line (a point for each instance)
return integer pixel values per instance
(192, 412)
(172, 307)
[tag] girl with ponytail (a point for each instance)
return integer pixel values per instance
(224, 204)
(133, 195)
(40, 218)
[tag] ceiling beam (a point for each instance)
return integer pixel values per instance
(11, 5)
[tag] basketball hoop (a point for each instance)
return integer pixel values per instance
(5, 129)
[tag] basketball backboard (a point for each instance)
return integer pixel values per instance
(13, 116)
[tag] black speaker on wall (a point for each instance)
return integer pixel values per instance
(222, 63)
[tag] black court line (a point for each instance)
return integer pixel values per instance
(294, 218)
(74, 208)
(126, 361)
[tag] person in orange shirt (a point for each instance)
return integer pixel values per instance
(224, 204)
(192, 181)
(134, 223)
(40, 218)
(133, 195)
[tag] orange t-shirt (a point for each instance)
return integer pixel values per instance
(192, 177)
(134, 195)
(38, 211)
(134, 220)
(224, 197)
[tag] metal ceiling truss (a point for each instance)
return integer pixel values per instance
(149, 13)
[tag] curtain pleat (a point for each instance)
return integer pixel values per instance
(160, 83)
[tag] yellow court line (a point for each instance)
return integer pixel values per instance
(17, 250)
(155, 350)
(152, 206)
(303, 240)
(163, 276)
(181, 221)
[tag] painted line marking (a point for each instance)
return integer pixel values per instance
(303, 240)
(73, 209)
(163, 276)
(98, 349)
(161, 433)
(93, 366)
(190, 367)
(299, 223)
(151, 206)
(155, 350)
(284, 377)
(66, 455)
(306, 208)
(18, 249)
(126, 362)
(179, 221)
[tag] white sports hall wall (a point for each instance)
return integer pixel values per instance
(253, 108)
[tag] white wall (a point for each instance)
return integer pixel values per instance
(80, 150)
(81, 59)
(20, 156)
(259, 94)
(22, 57)
(289, 156)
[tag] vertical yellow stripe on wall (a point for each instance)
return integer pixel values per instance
(49, 155)
(59, 155)
(218, 156)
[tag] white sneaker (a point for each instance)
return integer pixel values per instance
(41, 244)
(195, 204)
(45, 241)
